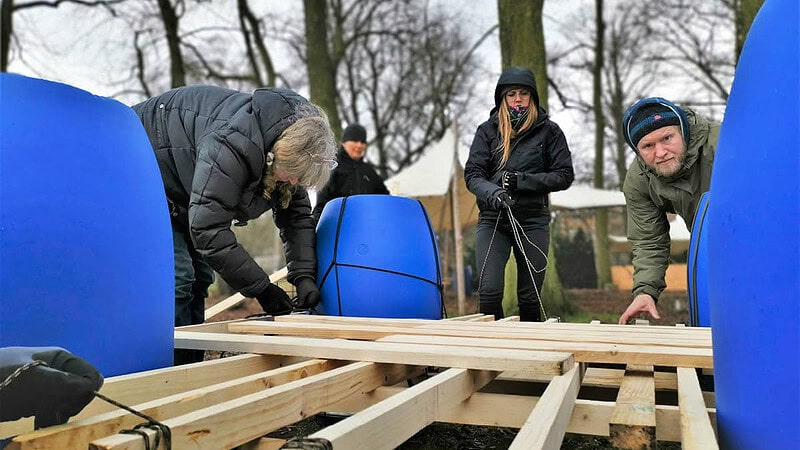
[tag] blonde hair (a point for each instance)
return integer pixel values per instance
(304, 150)
(506, 130)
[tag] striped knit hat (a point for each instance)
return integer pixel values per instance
(650, 114)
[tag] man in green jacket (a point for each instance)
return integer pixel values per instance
(672, 169)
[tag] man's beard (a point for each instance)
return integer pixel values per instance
(673, 168)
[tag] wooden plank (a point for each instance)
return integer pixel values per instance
(370, 332)
(547, 424)
(391, 422)
(633, 422)
(465, 318)
(590, 417)
(507, 319)
(150, 385)
(387, 352)
(583, 352)
(237, 298)
(483, 318)
(341, 320)
(145, 386)
(243, 419)
(600, 377)
(80, 433)
(696, 430)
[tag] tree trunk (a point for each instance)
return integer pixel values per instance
(254, 37)
(522, 39)
(522, 44)
(171, 24)
(744, 13)
(602, 262)
(321, 72)
(6, 24)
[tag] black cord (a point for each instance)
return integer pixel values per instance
(158, 427)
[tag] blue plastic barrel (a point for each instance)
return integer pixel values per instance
(85, 241)
(754, 240)
(378, 257)
(699, 302)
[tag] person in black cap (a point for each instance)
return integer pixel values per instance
(674, 156)
(517, 158)
(353, 175)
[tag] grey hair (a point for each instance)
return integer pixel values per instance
(303, 150)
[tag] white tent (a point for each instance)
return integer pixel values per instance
(430, 180)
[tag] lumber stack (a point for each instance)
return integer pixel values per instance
(474, 371)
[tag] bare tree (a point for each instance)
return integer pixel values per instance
(601, 255)
(9, 7)
(400, 68)
(321, 70)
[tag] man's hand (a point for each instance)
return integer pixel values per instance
(641, 303)
(274, 301)
(59, 387)
(308, 296)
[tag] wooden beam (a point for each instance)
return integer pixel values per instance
(600, 377)
(547, 424)
(241, 420)
(237, 298)
(582, 351)
(633, 422)
(471, 329)
(590, 417)
(696, 430)
(482, 318)
(464, 318)
(508, 319)
(390, 422)
(387, 352)
(80, 433)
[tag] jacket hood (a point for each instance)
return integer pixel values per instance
(698, 136)
(275, 110)
(515, 76)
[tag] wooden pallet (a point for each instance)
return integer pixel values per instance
(299, 366)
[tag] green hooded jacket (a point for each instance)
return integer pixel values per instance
(650, 197)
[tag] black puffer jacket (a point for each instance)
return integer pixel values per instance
(210, 145)
(540, 156)
(350, 177)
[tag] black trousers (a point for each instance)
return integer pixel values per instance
(492, 248)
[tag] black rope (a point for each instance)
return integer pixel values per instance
(308, 443)
(153, 424)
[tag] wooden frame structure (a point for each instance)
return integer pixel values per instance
(298, 366)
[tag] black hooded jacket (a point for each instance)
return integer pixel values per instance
(540, 156)
(211, 144)
(350, 177)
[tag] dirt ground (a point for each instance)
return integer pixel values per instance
(589, 304)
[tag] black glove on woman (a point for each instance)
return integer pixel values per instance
(500, 200)
(52, 392)
(509, 181)
(274, 300)
(308, 296)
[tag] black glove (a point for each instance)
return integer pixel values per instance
(53, 392)
(274, 301)
(500, 200)
(509, 181)
(308, 296)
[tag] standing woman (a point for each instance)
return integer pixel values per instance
(517, 158)
(227, 156)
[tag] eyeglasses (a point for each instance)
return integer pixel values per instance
(330, 163)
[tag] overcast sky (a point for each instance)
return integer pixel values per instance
(86, 48)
